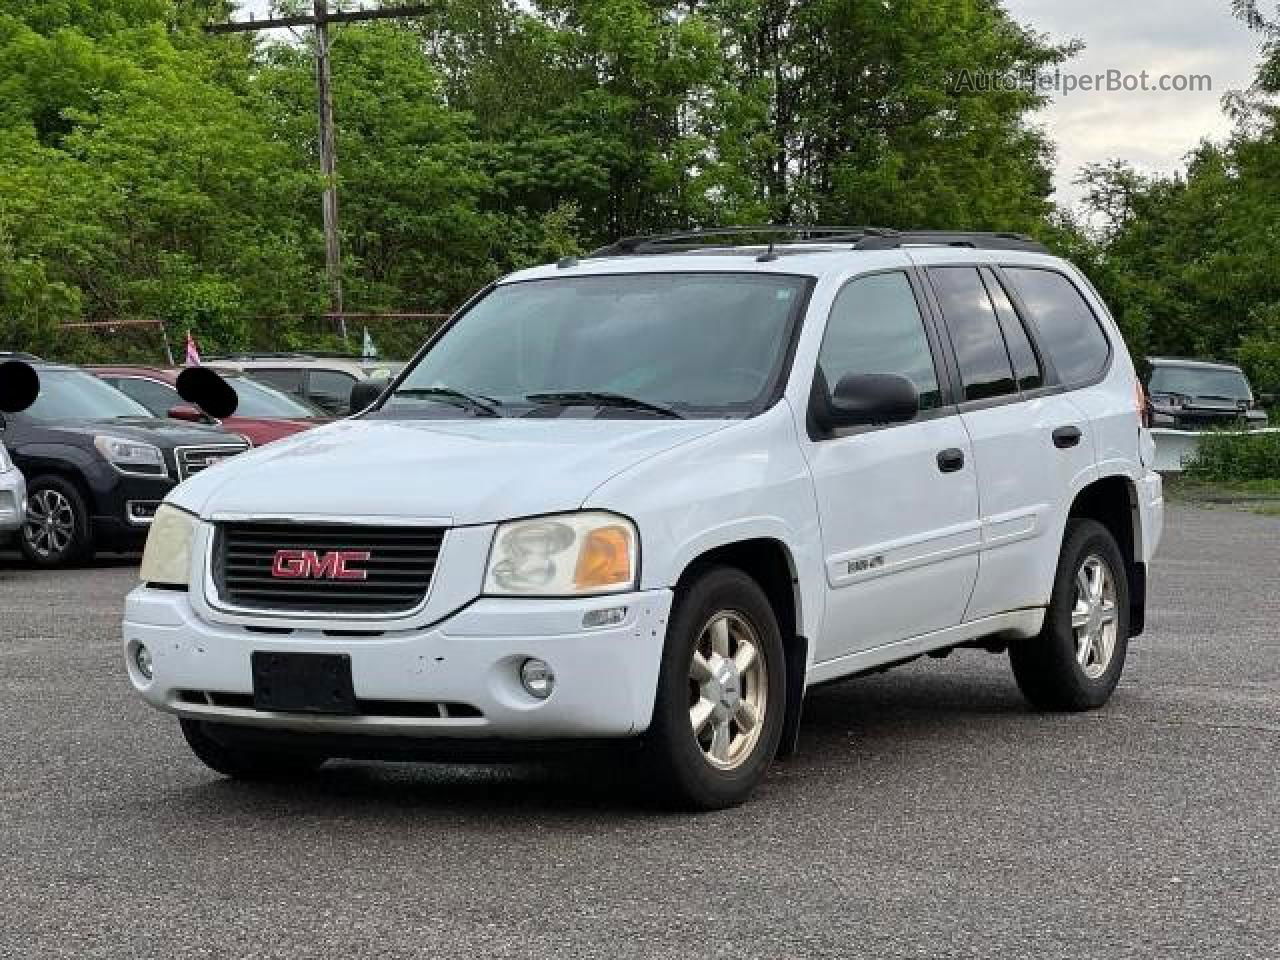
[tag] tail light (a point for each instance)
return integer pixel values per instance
(1144, 405)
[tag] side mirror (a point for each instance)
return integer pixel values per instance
(19, 386)
(365, 393)
(189, 413)
(873, 398)
(208, 391)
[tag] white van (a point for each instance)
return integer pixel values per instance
(655, 494)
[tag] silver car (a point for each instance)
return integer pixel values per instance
(13, 496)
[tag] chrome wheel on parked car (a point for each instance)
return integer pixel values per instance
(728, 690)
(1094, 618)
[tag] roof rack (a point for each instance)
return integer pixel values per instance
(698, 239)
(861, 238)
(974, 240)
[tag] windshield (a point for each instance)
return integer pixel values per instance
(74, 395)
(1200, 382)
(259, 400)
(633, 345)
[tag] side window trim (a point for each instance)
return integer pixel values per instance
(992, 282)
(1029, 322)
(962, 404)
(946, 406)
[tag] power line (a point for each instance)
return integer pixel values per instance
(320, 18)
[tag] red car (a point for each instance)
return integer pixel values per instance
(264, 413)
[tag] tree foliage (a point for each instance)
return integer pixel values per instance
(150, 171)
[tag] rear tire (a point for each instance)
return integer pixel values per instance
(58, 531)
(1076, 661)
(241, 763)
(721, 696)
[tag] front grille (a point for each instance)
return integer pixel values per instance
(191, 460)
(397, 570)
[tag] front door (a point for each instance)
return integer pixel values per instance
(898, 505)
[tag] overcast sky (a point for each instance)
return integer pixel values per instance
(1166, 37)
(1152, 130)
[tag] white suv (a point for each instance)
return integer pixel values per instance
(655, 494)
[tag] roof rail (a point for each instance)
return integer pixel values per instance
(950, 238)
(700, 239)
(861, 238)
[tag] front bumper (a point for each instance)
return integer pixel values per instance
(13, 501)
(606, 678)
(123, 505)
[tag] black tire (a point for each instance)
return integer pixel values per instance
(242, 763)
(44, 547)
(1049, 671)
(678, 758)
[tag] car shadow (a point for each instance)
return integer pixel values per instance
(866, 716)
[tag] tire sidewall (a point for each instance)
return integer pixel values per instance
(1087, 538)
(670, 738)
(80, 545)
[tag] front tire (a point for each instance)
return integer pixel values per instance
(721, 692)
(242, 763)
(1076, 662)
(58, 531)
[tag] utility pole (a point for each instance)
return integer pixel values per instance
(320, 19)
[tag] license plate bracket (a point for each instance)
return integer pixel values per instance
(303, 683)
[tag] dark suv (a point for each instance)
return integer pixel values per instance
(1199, 395)
(98, 464)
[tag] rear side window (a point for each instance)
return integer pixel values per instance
(876, 327)
(1026, 365)
(288, 380)
(1068, 330)
(159, 398)
(985, 369)
(330, 389)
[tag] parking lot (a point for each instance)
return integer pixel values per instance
(929, 813)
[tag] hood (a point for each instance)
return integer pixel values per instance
(263, 430)
(163, 433)
(463, 471)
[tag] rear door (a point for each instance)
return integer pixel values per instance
(898, 505)
(1029, 439)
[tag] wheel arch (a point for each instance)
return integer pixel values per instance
(1113, 502)
(772, 565)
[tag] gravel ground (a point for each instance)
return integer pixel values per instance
(929, 813)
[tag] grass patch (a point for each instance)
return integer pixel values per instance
(1238, 460)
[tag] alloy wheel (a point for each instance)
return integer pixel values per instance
(1094, 617)
(51, 524)
(728, 690)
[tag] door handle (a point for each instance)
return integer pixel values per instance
(1066, 437)
(951, 460)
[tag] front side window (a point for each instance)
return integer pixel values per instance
(876, 327)
(1067, 327)
(260, 400)
(629, 345)
(985, 368)
(330, 389)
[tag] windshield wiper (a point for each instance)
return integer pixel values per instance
(597, 398)
(475, 402)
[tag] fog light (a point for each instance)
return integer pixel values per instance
(537, 678)
(609, 617)
(142, 657)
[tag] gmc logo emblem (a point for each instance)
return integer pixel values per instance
(310, 565)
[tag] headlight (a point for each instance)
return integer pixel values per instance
(572, 554)
(167, 557)
(5, 463)
(130, 456)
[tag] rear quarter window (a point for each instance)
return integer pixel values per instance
(1068, 330)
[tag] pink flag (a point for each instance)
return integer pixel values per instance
(193, 352)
